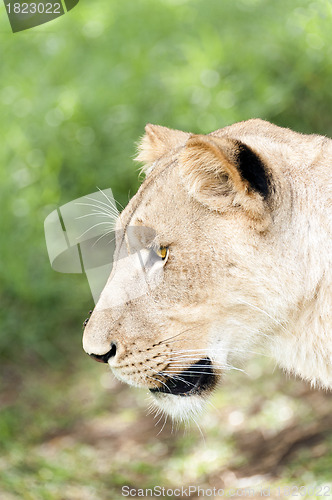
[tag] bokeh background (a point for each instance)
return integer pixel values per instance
(75, 95)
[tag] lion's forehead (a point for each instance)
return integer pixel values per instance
(140, 205)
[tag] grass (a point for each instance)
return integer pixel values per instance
(79, 434)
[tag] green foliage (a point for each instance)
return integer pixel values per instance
(75, 96)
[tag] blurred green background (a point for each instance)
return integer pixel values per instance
(74, 98)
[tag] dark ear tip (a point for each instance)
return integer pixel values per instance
(252, 168)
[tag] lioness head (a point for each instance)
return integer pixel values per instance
(213, 255)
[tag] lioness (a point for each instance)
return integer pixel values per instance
(226, 245)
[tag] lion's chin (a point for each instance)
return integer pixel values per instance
(180, 408)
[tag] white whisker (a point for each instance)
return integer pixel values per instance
(109, 212)
(92, 227)
(103, 235)
(109, 206)
(199, 428)
(161, 430)
(266, 313)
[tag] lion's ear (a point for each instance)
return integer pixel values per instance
(157, 141)
(222, 172)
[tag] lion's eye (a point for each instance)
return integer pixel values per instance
(162, 252)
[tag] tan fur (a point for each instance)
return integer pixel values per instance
(158, 141)
(209, 172)
(242, 271)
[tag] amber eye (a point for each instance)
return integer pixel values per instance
(162, 252)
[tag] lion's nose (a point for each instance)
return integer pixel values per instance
(103, 358)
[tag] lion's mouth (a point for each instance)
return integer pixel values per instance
(198, 378)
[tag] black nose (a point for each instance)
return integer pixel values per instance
(103, 358)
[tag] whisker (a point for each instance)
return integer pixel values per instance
(102, 236)
(177, 377)
(199, 428)
(217, 366)
(118, 203)
(107, 198)
(221, 350)
(161, 430)
(194, 355)
(92, 227)
(154, 381)
(109, 242)
(213, 405)
(191, 372)
(150, 409)
(267, 314)
(157, 380)
(161, 416)
(177, 335)
(93, 214)
(158, 412)
(185, 361)
(111, 214)
(109, 206)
